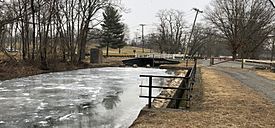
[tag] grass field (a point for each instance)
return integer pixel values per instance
(266, 74)
(14, 54)
(129, 50)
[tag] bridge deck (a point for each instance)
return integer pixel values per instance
(142, 62)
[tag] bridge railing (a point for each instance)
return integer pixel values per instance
(156, 55)
(185, 88)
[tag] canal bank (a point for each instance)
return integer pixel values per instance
(221, 102)
(23, 69)
(184, 89)
(77, 114)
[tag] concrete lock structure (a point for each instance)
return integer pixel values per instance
(96, 56)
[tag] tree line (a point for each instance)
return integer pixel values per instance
(245, 25)
(56, 30)
(51, 30)
(241, 28)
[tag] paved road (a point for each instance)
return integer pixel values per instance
(248, 77)
(233, 64)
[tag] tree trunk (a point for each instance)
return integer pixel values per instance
(33, 26)
(82, 45)
(234, 54)
(107, 52)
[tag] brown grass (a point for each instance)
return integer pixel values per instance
(226, 103)
(14, 54)
(17, 70)
(179, 66)
(10, 70)
(266, 74)
(21, 69)
(125, 50)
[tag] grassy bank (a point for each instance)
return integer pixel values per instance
(22, 69)
(225, 102)
(10, 70)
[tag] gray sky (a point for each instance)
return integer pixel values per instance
(144, 11)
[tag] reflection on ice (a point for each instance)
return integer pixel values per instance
(104, 97)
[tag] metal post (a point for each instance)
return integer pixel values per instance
(153, 65)
(150, 92)
(187, 93)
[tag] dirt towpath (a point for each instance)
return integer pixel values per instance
(226, 103)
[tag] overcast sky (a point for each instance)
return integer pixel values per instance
(144, 11)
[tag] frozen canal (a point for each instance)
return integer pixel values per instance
(88, 98)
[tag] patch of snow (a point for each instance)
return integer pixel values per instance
(27, 120)
(43, 123)
(20, 85)
(42, 106)
(3, 98)
(66, 117)
(26, 94)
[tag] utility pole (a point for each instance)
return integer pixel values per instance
(272, 3)
(272, 51)
(142, 36)
(193, 27)
(136, 36)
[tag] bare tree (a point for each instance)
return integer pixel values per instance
(6, 18)
(245, 24)
(200, 36)
(171, 30)
(89, 20)
(50, 30)
(33, 28)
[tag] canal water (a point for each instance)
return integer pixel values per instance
(87, 98)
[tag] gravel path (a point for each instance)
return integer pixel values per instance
(233, 64)
(251, 79)
(247, 77)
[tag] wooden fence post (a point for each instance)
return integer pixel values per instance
(242, 64)
(211, 61)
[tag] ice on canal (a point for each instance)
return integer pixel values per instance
(87, 98)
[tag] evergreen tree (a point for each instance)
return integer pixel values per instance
(113, 29)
